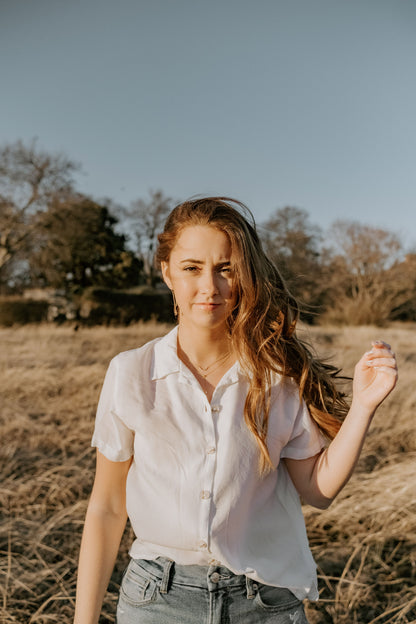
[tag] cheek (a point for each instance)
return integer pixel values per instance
(183, 287)
(230, 291)
(235, 293)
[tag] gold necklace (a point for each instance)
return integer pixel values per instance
(208, 370)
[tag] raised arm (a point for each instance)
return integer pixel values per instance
(104, 525)
(319, 479)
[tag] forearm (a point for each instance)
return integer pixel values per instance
(100, 543)
(320, 478)
(336, 464)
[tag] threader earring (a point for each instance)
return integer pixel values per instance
(175, 305)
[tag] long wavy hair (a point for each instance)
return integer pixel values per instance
(263, 321)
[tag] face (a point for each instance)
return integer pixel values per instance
(199, 272)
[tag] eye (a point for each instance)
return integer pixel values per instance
(226, 269)
(191, 269)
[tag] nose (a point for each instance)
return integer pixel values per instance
(209, 285)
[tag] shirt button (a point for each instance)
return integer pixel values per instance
(205, 494)
(215, 408)
(215, 577)
(211, 450)
(202, 544)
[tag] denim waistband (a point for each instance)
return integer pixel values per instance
(211, 577)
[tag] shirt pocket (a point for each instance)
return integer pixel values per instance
(138, 586)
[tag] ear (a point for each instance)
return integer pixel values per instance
(166, 273)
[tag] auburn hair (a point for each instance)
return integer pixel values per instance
(263, 321)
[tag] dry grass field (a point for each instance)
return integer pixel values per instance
(50, 378)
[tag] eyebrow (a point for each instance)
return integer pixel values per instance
(194, 261)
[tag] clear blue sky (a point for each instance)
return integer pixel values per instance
(310, 103)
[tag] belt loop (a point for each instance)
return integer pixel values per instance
(250, 588)
(165, 578)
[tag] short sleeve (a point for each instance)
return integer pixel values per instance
(306, 439)
(111, 435)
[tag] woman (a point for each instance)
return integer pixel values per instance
(208, 436)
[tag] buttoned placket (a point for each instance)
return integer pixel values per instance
(210, 413)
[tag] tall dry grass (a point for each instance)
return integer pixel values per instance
(50, 378)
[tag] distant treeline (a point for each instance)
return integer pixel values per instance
(56, 241)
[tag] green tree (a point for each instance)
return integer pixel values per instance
(77, 246)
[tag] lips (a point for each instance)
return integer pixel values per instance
(207, 306)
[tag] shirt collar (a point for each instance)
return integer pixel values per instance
(166, 361)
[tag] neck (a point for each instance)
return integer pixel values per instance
(203, 347)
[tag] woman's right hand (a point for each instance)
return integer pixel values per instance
(104, 525)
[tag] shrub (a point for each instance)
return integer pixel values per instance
(16, 311)
(103, 306)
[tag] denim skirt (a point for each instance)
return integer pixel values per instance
(162, 592)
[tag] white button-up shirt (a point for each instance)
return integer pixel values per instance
(193, 490)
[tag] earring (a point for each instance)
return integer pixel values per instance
(175, 305)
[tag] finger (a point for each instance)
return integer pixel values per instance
(380, 347)
(380, 353)
(379, 344)
(377, 353)
(388, 370)
(377, 362)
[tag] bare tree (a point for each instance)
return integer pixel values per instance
(366, 284)
(293, 243)
(405, 274)
(29, 178)
(146, 219)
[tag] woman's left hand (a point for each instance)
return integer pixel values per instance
(375, 376)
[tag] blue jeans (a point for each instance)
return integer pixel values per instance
(160, 591)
